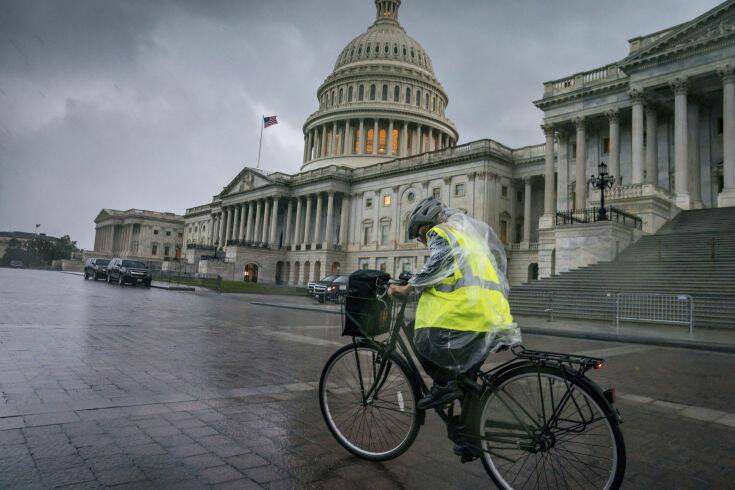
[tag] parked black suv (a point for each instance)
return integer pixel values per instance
(125, 271)
(95, 268)
(331, 288)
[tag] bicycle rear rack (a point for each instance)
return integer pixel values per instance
(557, 357)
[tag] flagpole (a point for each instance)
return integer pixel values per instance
(260, 142)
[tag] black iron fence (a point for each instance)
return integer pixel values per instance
(592, 215)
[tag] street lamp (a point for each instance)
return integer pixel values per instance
(602, 181)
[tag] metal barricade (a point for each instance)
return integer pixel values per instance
(676, 309)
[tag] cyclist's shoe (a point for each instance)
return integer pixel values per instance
(439, 395)
(464, 452)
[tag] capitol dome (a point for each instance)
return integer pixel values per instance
(382, 100)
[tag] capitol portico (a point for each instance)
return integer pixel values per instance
(662, 118)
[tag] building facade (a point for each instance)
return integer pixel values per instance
(150, 236)
(380, 141)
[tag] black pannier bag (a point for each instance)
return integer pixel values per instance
(365, 315)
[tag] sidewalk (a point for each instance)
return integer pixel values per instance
(663, 335)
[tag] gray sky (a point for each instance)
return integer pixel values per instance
(156, 105)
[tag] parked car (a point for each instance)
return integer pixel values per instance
(337, 290)
(319, 288)
(331, 288)
(96, 268)
(125, 271)
(17, 264)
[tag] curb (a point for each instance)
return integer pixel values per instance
(296, 307)
(174, 288)
(576, 334)
(632, 339)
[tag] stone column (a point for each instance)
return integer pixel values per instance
(307, 221)
(334, 151)
(348, 138)
(638, 157)
(235, 222)
(344, 216)
(375, 137)
(221, 229)
(527, 210)
(328, 230)
(249, 230)
(695, 184)
(680, 87)
(309, 144)
(562, 188)
(306, 146)
(297, 227)
(389, 139)
(274, 222)
(419, 139)
(614, 160)
(228, 225)
(210, 234)
(256, 225)
(318, 222)
(651, 145)
(549, 195)
(403, 140)
(580, 170)
(266, 221)
(323, 146)
(287, 232)
(727, 196)
(241, 234)
(361, 138)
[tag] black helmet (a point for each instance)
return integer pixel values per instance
(426, 212)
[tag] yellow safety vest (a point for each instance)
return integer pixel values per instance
(471, 299)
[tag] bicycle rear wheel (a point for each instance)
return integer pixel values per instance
(379, 428)
(521, 449)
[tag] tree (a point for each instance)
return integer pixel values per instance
(39, 250)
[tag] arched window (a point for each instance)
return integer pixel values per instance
(352, 53)
(426, 102)
(395, 50)
(361, 93)
(396, 93)
(332, 101)
(418, 98)
(372, 92)
(408, 95)
(433, 107)
(349, 94)
(385, 49)
(341, 93)
(359, 51)
(404, 50)
(412, 54)
(367, 49)
(385, 92)
(394, 142)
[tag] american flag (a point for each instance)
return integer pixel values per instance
(269, 121)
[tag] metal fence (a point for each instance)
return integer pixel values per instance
(590, 215)
(677, 309)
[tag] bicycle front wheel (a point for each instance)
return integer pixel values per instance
(544, 428)
(381, 426)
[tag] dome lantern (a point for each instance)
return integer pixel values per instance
(387, 10)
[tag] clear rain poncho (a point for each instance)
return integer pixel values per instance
(463, 313)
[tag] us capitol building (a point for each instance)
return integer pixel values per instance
(662, 118)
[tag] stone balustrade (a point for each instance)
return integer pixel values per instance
(582, 80)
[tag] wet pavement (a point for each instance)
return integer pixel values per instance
(110, 386)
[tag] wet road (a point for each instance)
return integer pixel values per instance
(106, 386)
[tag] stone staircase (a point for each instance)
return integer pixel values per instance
(692, 254)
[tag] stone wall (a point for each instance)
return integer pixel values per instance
(583, 245)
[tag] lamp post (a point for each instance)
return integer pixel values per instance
(602, 181)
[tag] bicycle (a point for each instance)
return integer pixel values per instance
(534, 421)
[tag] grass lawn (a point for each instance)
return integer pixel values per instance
(234, 286)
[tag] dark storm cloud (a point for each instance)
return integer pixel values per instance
(155, 104)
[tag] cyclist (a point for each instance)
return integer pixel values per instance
(463, 312)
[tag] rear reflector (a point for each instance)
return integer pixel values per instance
(610, 395)
(597, 365)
